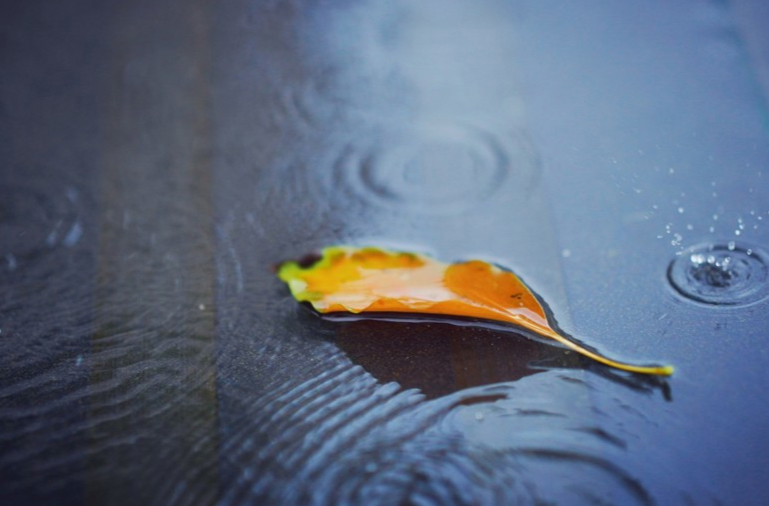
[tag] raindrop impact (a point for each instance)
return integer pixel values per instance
(441, 170)
(732, 274)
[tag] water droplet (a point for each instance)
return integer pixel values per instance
(729, 274)
(681, 210)
(566, 253)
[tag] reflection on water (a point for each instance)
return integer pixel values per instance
(440, 355)
(438, 358)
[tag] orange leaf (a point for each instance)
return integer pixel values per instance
(357, 280)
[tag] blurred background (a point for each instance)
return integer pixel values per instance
(158, 159)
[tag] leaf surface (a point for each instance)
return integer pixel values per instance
(359, 280)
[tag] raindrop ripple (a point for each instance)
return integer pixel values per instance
(732, 274)
(441, 170)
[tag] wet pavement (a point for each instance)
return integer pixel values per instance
(158, 159)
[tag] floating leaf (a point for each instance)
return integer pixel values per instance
(357, 280)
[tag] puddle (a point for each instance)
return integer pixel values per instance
(154, 357)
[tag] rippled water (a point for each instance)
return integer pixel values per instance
(406, 171)
(342, 437)
(412, 412)
(721, 274)
(164, 157)
(46, 309)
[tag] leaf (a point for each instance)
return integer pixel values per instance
(358, 280)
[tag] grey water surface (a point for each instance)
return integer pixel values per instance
(159, 159)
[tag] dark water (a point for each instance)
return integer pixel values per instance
(158, 159)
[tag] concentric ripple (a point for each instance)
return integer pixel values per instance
(34, 221)
(731, 274)
(435, 169)
(341, 438)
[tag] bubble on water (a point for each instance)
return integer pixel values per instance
(731, 274)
